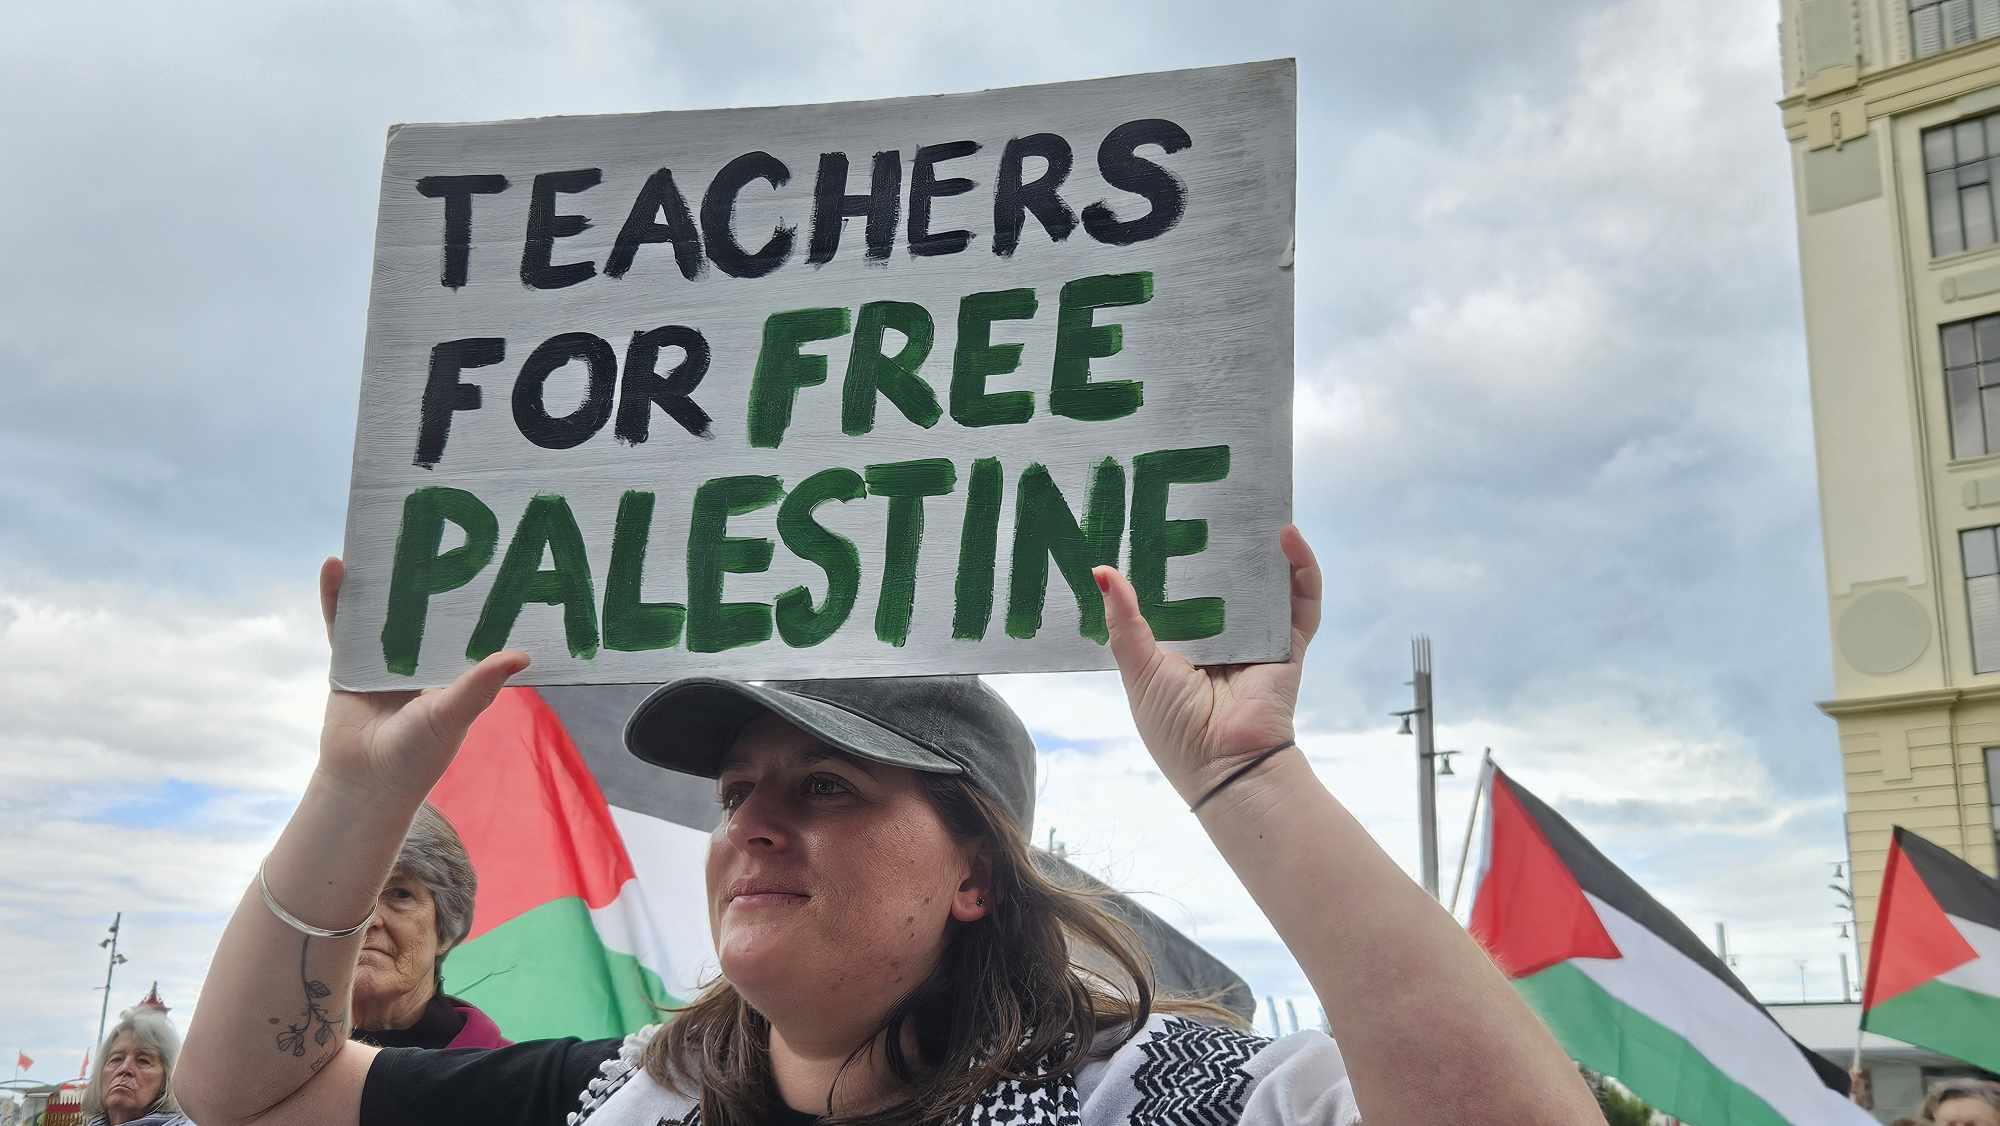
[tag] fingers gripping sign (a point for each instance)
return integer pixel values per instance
(1204, 724)
(398, 744)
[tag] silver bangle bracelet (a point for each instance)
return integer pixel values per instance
(300, 925)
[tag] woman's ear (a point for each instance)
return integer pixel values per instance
(973, 899)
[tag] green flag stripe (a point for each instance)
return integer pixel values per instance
(1943, 1018)
(1606, 1035)
(545, 973)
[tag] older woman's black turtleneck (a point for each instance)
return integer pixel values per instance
(435, 1027)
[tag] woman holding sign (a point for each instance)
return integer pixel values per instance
(888, 953)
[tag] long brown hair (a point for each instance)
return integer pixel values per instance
(1007, 1000)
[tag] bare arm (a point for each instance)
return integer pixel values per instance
(268, 1042)
(1430, 1030)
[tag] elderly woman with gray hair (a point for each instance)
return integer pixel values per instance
(1963, 1102)
(424, 910)
(131, 1082)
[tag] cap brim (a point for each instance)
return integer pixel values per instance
(689, 724)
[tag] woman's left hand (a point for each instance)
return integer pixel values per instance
(1202, 723)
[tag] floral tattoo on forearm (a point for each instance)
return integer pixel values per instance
(314, 1021)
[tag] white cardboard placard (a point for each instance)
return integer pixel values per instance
(611, 411)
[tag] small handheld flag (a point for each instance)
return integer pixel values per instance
(1628, 989)
(1934, 966)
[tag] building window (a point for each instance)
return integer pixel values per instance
(1959, 176)
(1982, 595)
(1940, 25)
(1993, 788)
(1972, 379)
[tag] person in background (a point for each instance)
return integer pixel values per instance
(130, 1084)
(1963, 1102)
(424, 910)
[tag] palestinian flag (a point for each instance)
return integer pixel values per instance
(1627, 989)
(592, 913)
(1934, 967)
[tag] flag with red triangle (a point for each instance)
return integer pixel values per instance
(570, 937)
(1934, 966)
(591, 912)
(22, 1062)
(1627, 988)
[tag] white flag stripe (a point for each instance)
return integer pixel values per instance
(1981, 975)
(1735, 1037)
(660, 916)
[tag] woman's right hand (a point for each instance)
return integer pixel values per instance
(396, 745)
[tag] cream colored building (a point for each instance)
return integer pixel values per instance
(1892, 108)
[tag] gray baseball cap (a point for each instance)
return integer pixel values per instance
(934, 724)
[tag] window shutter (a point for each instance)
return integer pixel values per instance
(1957, 22)
(1926, 32)
(1982, 600)
(1986, 18)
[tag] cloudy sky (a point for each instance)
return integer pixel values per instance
(1551, 407)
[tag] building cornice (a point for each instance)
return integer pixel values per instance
(1900, 89)
(1906, 701)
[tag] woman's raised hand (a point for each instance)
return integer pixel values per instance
(1202, 723)
(396, 745)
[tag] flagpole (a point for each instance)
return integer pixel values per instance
(1465, 846)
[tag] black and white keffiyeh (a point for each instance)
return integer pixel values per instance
(1176, 1072)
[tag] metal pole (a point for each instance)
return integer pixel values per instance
(1420, 651)
(110, 965)
(1722, 943)
(1292, 1014)
(1465, 846)
(1277, 1026)
(1843, 977)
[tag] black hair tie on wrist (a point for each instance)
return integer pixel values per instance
(1237, 773)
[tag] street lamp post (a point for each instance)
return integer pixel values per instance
(1420, 685)
(105, 1009)
(1842, 885)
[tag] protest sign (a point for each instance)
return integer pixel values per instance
(829, 390)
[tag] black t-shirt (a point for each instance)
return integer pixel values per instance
(537, 1083)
